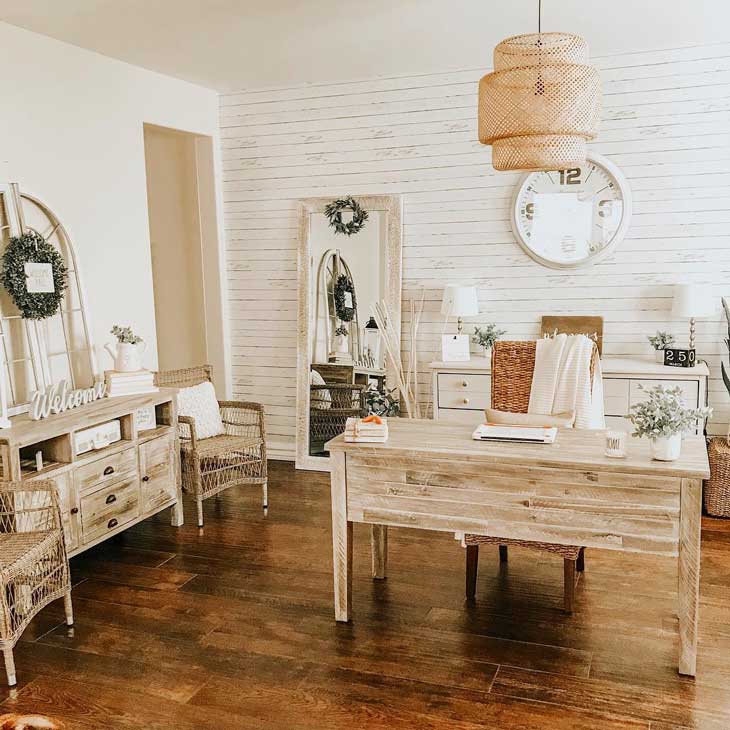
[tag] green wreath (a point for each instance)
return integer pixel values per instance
(344, 284)
(333, 211)
(31, 247)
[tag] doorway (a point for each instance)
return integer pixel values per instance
(181, 205)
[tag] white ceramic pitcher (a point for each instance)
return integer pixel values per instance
(127, 357)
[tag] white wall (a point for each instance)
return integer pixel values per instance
(666, 123)
(71, 133)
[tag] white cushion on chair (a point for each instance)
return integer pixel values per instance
(199, 402)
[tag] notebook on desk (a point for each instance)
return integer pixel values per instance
(521, 434)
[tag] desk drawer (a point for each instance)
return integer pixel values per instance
(109, 508)
(460, 382)
(464, 400)
(121, 465)
(569, 507)
(616, 396)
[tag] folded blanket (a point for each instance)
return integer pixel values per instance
(561, 380)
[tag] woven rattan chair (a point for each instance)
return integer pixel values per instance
(330, 406)
(211, 465)
(33, 564)
(513, 364)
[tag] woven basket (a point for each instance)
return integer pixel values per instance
(717, 487)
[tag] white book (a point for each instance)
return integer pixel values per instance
(524, 434)
(140, 391)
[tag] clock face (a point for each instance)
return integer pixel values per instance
(570, 218)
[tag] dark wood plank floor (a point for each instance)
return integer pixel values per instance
(232, 627)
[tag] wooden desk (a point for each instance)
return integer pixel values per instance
(432, 475)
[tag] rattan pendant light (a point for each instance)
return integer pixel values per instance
(541, 104)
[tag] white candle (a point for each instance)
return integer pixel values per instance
(616, 444)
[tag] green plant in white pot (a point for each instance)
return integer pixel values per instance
(486, 336)
(663, 418)
(660, 342)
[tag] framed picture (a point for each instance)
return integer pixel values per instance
(145, 418)
(455, 348)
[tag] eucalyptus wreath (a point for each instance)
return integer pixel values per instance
(31, 247)
(333, 211)
(342, 285)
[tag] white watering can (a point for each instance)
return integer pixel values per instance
(127, 357)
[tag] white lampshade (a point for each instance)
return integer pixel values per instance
(692, 301)
(460, 301)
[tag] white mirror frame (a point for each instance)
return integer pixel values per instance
(391, 207)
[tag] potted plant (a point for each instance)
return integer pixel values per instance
(663, 418)
(382, 403)
(660, 342)
(717, 487)
(487, 336)
(342, 334)
(128, 355)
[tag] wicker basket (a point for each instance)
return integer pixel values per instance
(717, 487)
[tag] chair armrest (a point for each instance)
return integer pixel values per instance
(30, 506)
(243, 418)
(186, 430)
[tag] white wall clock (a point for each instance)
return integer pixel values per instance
(566, 219)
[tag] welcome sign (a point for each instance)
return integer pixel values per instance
(59, 398)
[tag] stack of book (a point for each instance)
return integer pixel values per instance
(137, 382)
(370, 430)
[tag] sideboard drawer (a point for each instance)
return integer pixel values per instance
(474, 383)
(466, 400)
(109, 508)
(690, 390)
(108, 469)
(157, 470)
(462, 415)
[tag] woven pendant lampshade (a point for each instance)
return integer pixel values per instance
(541, 104)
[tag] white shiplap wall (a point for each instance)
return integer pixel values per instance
(666, 123)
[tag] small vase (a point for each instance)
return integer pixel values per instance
(127, 357)
(666, 448)
(341, 344)
(659, 355)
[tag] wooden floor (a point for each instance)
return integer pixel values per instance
(232, 627)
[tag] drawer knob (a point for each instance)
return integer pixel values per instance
(111, 499)
(112, 523)
(465, 383)
(466, 401)
(145, 478)
(74, 510)
(109, 470)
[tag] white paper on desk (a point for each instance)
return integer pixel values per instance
(562, 226)
(454, 348)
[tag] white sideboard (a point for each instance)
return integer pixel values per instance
(462, 390)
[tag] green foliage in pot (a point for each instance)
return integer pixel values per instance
(661, 340)
(486, 337)
(382, 403)
(125, 336)
(342, 330)
(664, 413)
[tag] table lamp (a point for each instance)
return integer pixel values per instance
(692, 301)
(459, 302)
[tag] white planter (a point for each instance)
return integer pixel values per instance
(666, 448)
(342, 344)
(127, 358)
(659, 355)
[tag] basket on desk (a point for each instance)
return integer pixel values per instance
(717, 487)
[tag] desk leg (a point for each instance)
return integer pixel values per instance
(379, 549)
(341, 538)
(689, 573)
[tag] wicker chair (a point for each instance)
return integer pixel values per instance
(513, 364)
(211, 465)
(33, 563)
(330, 406)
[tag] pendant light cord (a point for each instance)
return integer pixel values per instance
(539, 16)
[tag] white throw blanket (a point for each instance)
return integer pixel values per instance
(562, 380)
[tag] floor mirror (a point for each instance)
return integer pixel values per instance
(349, 262)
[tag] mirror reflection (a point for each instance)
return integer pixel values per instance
(347, 373)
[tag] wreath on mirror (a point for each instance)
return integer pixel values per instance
(28, 248)
(333, 211)
(344, 284)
